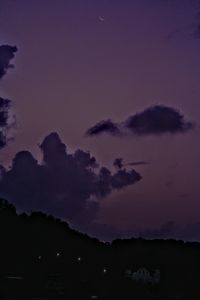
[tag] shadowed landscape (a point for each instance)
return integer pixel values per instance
(42, 258)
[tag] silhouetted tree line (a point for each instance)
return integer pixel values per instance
(41, 257)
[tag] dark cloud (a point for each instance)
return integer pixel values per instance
(155, 120)
(158, 119)
(137, 163)
(7, 53)
(118, 163)
(69, 186)
(123, 178)
(103, 127)
(5, 105)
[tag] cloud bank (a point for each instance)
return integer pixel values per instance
(155, 120)
(69, 186)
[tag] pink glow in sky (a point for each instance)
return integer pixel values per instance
(74, 69)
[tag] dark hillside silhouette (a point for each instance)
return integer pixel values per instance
(43, 258)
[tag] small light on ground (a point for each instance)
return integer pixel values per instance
(104, 270)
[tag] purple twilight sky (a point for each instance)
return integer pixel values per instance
(83, 61)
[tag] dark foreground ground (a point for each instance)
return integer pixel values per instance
(42, 258)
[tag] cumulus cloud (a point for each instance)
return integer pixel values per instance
(155, 120)
(105, 126)
(158, 119)
(7, 53)
(69, 186)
